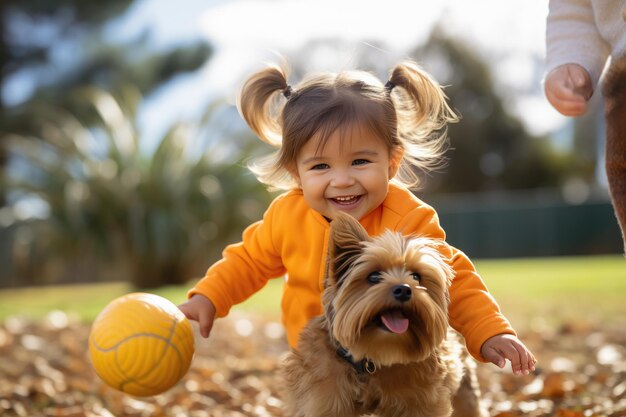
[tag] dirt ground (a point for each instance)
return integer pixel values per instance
(45, 371)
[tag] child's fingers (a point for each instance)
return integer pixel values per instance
(203, 321)
(516, 357)
(199, 308)
(205, 325)
(501, 348)
(492, 355)
(532, 361)
(524, 361)
(186, 311)
(517, 354)
(527, 360)
(522, 355)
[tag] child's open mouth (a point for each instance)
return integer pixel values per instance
(346, 201)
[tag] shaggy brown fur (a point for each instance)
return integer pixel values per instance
(614, 91)
(385, 302)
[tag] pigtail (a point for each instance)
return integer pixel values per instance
(422, 113)
(257, 105)
(262, 109)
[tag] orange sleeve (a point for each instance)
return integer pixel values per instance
(245, 267)
(473, 312)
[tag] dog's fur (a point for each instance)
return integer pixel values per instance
(421, 370)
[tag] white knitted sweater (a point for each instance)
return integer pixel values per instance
(585, 32)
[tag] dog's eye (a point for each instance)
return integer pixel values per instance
(416, 276)
(374, 277)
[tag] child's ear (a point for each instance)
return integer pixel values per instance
(293, 171)
(395, 159)
(346, 235)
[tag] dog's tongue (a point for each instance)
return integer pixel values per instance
(395, 321)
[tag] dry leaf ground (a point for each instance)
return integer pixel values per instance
(45, 371)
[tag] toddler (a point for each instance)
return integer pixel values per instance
(580, 36)
(346, 143)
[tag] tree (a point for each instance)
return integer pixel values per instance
(18, 50)
(34, 29)
(490, 148)
(153, 219)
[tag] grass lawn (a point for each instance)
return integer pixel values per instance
(549, 289)
(554, 290)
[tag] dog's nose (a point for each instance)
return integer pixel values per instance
(402, 292)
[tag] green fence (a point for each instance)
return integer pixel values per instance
(503, 225)
(528, 225)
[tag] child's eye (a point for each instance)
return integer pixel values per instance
(360, 162)
(320, 166)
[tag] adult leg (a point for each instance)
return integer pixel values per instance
(614, 90)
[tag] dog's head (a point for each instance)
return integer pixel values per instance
(386, 298)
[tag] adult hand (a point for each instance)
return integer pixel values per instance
(568, 88)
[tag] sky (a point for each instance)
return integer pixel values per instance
(245, 34)
(248, 33)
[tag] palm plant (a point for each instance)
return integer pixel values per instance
(151, 217)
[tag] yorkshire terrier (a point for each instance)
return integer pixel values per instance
(383, 346)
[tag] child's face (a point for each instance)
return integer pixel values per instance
(350, 175)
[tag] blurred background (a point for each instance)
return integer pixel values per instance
(122, 155)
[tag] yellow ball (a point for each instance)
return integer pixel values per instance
(141, 344)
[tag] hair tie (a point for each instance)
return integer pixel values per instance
(389, 86)
(287, 91)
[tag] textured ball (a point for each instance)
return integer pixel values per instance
(141, 344)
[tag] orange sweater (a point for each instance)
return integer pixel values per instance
(292, 240)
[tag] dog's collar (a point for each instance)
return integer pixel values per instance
(362, 367)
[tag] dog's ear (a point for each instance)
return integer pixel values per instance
(346, 235)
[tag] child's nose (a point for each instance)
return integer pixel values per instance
(342, 178)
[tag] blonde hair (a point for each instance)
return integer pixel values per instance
(409, 113)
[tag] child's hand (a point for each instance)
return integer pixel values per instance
(200, 309)
(568, 88)
(506, 346)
